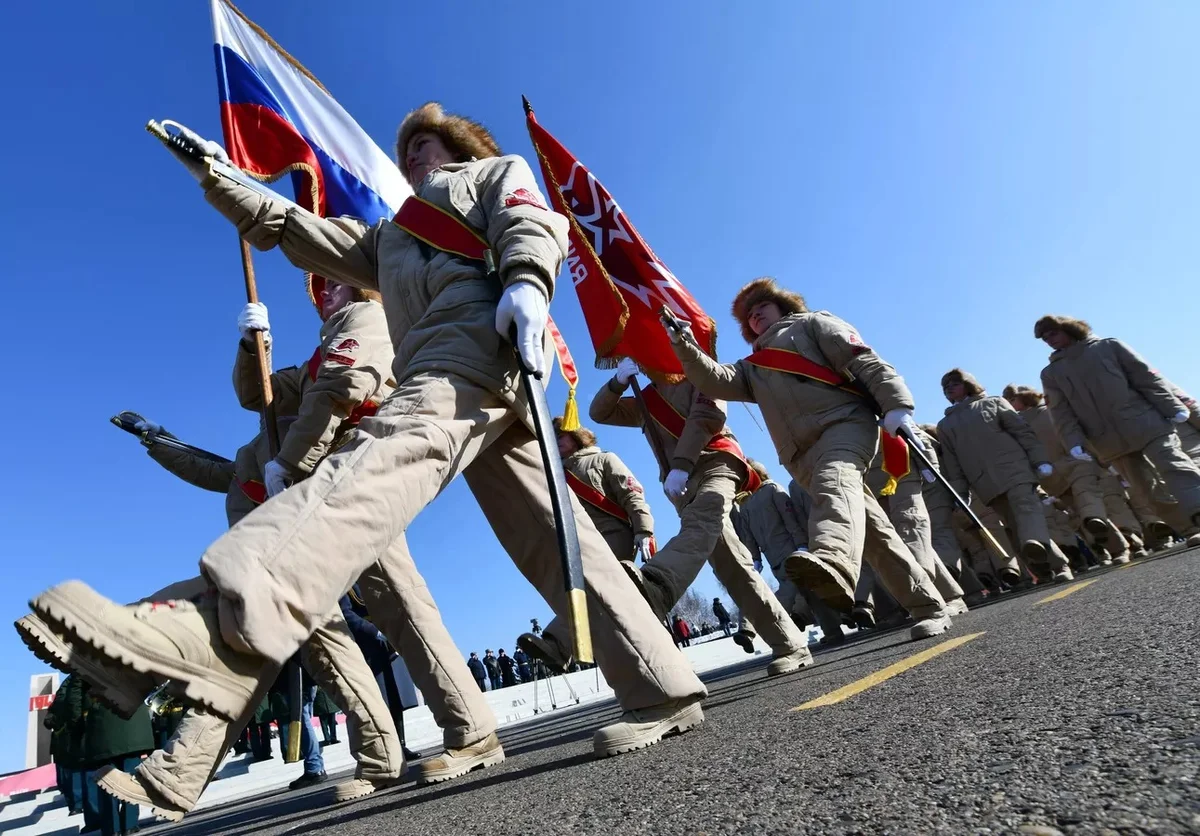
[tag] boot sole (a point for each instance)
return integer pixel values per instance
(535, 649)
(1098, 529)
(744, 642)
(692, 717)
(814, 576)
(639, 580)
(66, 606)
(119, 785)
(106, 689)
(425, 777)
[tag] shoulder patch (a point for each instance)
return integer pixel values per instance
(339, 358)
(523, 197)
(633, 485)
(346, 345)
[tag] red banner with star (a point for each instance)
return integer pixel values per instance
(620, 282)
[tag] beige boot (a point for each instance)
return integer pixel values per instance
(647, 726)
(927, 628)
(956, 606)
(112, 686)
(546, 649)
(455, 762)
(811, 573)
(654, 593)
(362, 787)
(131, 790)
(790, 663)
(175, 640)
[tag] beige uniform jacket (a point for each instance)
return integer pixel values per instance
(1066, 468)
(797, 410)
(987, 447)
(767, 523)
(704, 418)
(352, 367)
(606, 473)
(1106, 398)
(440, 308)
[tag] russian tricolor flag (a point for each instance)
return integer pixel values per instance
(278, 119)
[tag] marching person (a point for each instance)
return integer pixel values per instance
(614, 500)
(826, 436)
(1118, 511)
(1073, 480)
(1106, 401)
(456, 409)
(903, 500)
(988, 449)
(704, 471)
(770, 523)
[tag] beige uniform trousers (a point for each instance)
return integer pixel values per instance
(906, 509)
(182, 770)
(706, 535)
(287, 563)
(1116, 506)
(847, 525)
(940, 508)
(983, 561)
(1025, 517)
(1179, 473)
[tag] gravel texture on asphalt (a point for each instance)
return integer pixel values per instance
(1076, 716)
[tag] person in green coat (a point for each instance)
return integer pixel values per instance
(110, 742)
(64, 719)
(327, 713)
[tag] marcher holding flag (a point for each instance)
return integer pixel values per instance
(621, 284)
(456, 409)
(826, 436)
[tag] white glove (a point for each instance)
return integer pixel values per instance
(640, 540)
(146, 427)
(252, 319)
(675, 485)
(627, 370)
(275, 477)
(522, 304)
(1047, 500)
(1080, 455)
(894, 419)
(1044, 469)
(1181, 416)
(212, 149)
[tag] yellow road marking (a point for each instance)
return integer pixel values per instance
(1063, 593)
(907, 663)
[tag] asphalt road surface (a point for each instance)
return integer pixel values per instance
(1069, 709)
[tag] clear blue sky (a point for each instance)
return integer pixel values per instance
(940, 174)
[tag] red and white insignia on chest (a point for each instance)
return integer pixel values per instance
(346, 345)
(523, 197)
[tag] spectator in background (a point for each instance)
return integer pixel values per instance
(260, 731)
(524, 673)
(110, 742)
(478, 671)
(327, 713)
(508, 669)
(64, 719)
(681, 632)
(722, 616)
(493, 668)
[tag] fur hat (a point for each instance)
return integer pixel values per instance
(759, 468)
(1031, 396)
(1076, 329)
(765, 289)
(462, 137)
(931, 430)
(583, 436)
(969, 382)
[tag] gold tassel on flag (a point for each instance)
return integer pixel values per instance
(570, 420)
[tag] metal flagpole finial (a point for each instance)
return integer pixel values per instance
(525, 103)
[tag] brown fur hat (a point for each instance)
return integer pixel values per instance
(759, 468)
(971, 384)
(1031, 396)
(462, 137)
(1076, 329)
(765, 289)
(583, 436)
